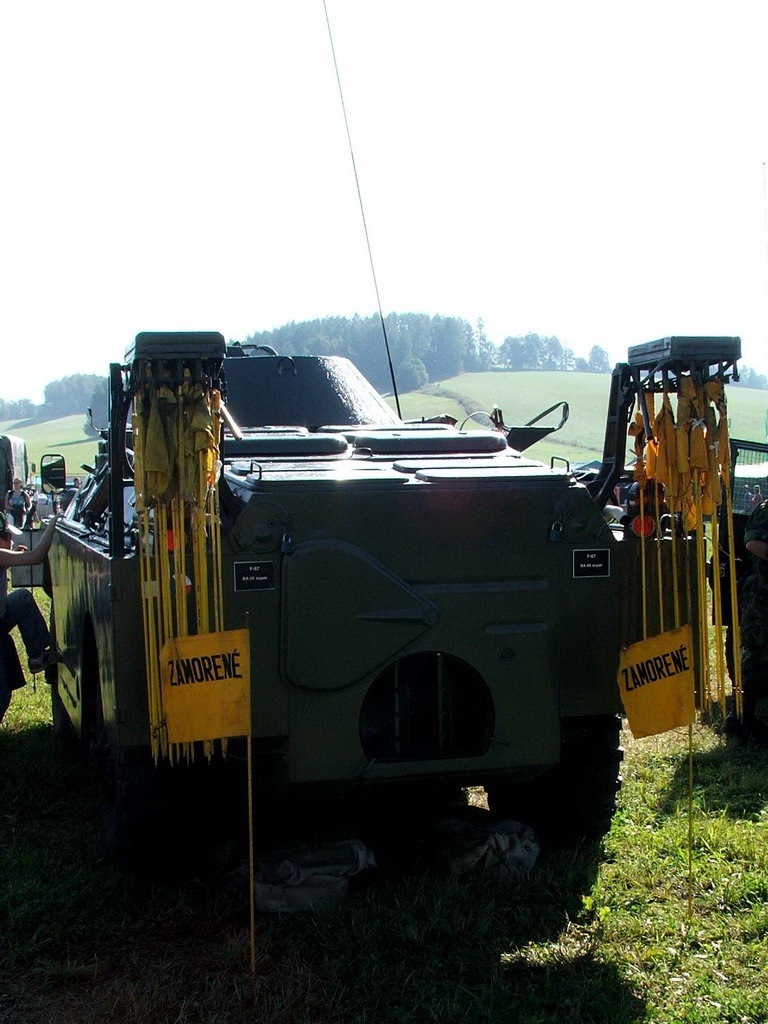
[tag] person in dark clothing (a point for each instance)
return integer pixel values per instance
(17, 503)
(19, 608)
(729, 534)
(753, 622)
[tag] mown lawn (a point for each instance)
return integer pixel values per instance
(521, 395)
(64, 436)
(624, 933)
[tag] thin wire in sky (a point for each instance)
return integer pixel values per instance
(362, 212)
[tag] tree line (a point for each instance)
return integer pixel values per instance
(750, 378)
(423, 349)
(64, 397)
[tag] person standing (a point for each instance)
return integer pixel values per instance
(19, 608)
(753, 622)
(33, 519)
(18, 503)
(68, 493)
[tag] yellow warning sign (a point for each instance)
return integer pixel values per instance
(206, 683)
(656, 681)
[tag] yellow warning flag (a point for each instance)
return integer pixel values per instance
(205, 685)
(656, 682)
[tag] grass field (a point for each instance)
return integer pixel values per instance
(589, 935)
(520, 395)
(64, 436)
(523, 395)
(666, 922)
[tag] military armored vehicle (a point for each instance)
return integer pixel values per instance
(428, 608)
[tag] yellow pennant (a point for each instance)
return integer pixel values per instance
(656, 682)
(205, 685)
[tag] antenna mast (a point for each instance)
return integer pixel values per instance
(362, 214)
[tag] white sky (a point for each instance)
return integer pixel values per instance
(592, 170)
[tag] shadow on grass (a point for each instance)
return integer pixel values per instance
(82, 941)
(42, 416)
(76, 441)
(50, 845)
(732, 779)
(37, 773)
(479, 951)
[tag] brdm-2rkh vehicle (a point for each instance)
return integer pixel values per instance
(425, 608)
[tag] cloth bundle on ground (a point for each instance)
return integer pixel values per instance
(501, 848)
(309, 877)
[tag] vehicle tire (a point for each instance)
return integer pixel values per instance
(62, 724)
(577, 798)
(94, 733)
(175, 821)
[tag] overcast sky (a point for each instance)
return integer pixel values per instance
(591, 170)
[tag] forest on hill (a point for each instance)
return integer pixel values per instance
(520, 395)
(429, 349)
(423, 349)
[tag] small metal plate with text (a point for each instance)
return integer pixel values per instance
(589, 563)
(254, 575)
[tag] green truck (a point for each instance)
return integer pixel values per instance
(429, 609)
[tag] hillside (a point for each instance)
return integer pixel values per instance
(521, 395)
(64, 436)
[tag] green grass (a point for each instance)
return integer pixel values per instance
(64, 436)
(520, 395)
(589, 935)
(592, 935)
(523, 395)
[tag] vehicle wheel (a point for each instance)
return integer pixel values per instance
(62, 724)
(577, 798)
(95, 734)
(174, 821)
(136, 817)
